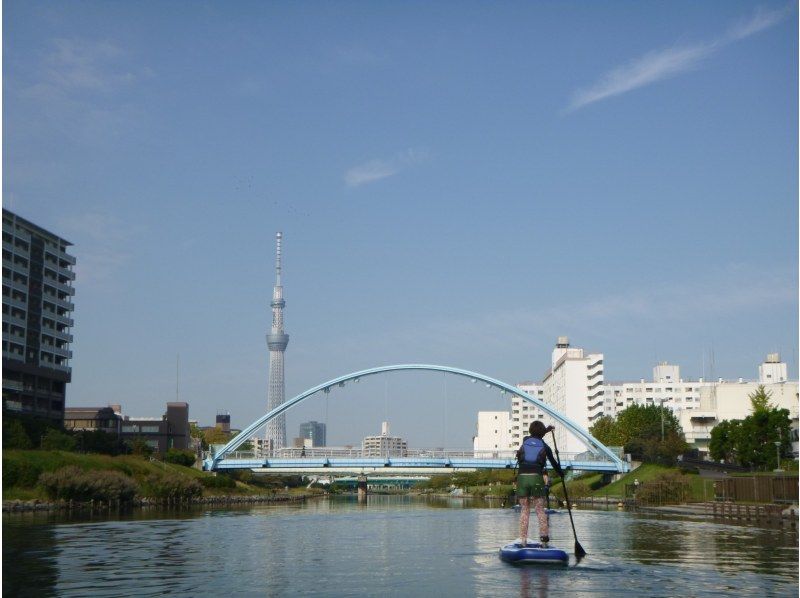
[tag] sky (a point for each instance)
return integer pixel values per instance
(457, 183)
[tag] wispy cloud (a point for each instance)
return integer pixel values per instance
(670, 62)
(375, 170)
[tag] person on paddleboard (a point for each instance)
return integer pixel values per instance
(532, 485)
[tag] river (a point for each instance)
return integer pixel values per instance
(392, 545)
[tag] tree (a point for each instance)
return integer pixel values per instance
(14, 434)
(216, 436)
(54, 440)
(605, 430)
(139, 446)
(724, 441)
(196, 432)
(751, 441)
(759, 399)
(648, 433)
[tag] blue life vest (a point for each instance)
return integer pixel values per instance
(533, 452)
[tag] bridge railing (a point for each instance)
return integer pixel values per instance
(431, 453)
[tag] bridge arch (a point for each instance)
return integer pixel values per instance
(590, 441)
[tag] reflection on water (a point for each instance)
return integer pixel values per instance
(397, 545)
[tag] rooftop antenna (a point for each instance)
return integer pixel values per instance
(177, 377)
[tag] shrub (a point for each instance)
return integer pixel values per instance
(72, 483)
(218, 481)
(55, 440)
(173, 489)
(138, 446)
(15, 436)
(180, 457)
(20, 473)
(575, 489)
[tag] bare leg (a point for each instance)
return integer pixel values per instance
(524, 518)
(541, 515)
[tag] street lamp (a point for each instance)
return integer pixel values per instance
(778, 451)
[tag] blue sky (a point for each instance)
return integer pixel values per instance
(457, 183)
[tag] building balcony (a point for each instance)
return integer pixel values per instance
(60, 255)
(13, 355)
(15, 303)
(59, 334)
(15, 320)
(61, 351)
(66, 320)
(59, 286)
(58, 302)
(13, 284)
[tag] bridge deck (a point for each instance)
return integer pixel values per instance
(443, 465)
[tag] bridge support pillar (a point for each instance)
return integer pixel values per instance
(362, 488)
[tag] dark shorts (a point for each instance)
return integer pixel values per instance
(530, 484)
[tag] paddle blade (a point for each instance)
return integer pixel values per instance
(579, 551)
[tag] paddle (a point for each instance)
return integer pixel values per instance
(579, 551)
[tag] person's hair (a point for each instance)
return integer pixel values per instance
(537, 429)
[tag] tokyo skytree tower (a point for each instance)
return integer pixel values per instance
(276, 341)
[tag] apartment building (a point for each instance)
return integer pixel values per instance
(384, 445)
(37, 322)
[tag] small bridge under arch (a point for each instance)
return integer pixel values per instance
(598, 457)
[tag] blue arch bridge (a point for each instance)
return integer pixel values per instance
(321, 461)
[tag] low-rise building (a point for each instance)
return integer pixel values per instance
(169, 431)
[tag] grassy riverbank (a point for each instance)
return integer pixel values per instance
(22, 471)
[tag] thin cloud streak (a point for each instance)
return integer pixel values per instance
(375, 170)
(663, 64)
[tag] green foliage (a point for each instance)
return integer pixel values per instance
(173, 488)
(19, 473)
(216, 436)
(724, 440)
(639, 429)
(14, 435)
(179, 456)
(606, 431)
(55, 440)
(218, 481)
(759, 400)
(72, 483)
(196, 432)
(138, 446)
(751, 441)
(98, 441)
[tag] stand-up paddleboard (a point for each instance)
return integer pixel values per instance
(533, 553)
(548, 511)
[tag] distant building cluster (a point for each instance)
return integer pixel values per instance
(574, 385)
(161, 434)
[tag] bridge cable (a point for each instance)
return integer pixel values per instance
(444, 444)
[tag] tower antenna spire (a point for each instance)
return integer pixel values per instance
(278, 237)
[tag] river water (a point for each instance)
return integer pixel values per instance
(396, 546)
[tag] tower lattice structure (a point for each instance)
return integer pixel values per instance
(277, 340)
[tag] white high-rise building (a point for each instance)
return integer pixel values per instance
(493, 437)
(574, 386)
